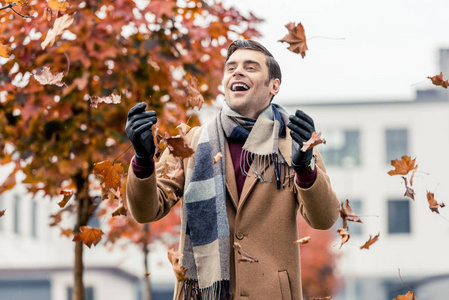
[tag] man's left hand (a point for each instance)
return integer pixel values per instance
(301, 129)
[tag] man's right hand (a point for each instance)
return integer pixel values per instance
(139, 131)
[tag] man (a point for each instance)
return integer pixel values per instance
(245, 204)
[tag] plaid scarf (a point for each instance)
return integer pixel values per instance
(204, 221)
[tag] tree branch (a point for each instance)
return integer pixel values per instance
(23, 16)
(6, 7)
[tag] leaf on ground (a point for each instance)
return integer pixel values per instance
(194, 96)
(110, 175)
(58, 5)
(314, 140)
(61, 24)
(438, 80)
(2, 212)
(180, 271)
(433, 204)
(403, 167)
(345, 236)
(217, 157)
(114, 98)
(5, 50)
(44, 76)
(303, 241)
(296, 38)
(347, 214)
(88, 236)
(408, 296)
(370, 241)
(245, 256)
(67, 195)
(178, 146)
(409, 192)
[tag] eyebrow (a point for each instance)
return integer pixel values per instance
(246, 62)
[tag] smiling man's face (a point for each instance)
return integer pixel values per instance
(248, 90)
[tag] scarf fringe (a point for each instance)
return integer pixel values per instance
(219, 290)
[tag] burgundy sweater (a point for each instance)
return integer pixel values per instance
(304, 179)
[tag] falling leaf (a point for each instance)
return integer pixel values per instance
(114, 98)
(183, 128)
(88, 236)
(408, 296)
(371, 241)
(44, 76)
(438, 80)
(409, 192)
(296, 38)
(111, 174)
(180, 271)
(120, 210)
(58, 5)
(347, 214)
(2, 212)
(67, 195)
(9, 183)
(433, 204)
(5, 51)
(178, 146)
(147, 274)
(314, 140)
(67, 232)
(217, 157)
(345, 236)
(245, 256)
(194, 96)
(403, 166)
(61, 24)
(303, 241)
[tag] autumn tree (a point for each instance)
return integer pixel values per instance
(65, 59)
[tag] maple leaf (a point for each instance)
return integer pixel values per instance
(58, 5)
(409, 296)
(67, 232)
(438, 80)
(178, 145)
(403, 167)
(217, 157)
(245, 256)
(433, 204)
(121, 209)
(114, 98)
(370, 241)
(194, 96)
(409, 192)
(180, 271)
(314, 140)
(111, 174)
(296, 37)
(2, 212)
(345, 236)
(303, 241)
(88, 236)
(44, 76)
(5, 50)
(67, 195)
(347, 214)
(61, 24)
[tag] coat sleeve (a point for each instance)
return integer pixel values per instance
(150, 199)
(319, 204)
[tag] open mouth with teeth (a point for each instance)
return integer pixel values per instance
(239, 87)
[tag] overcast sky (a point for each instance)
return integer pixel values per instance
(388, 46)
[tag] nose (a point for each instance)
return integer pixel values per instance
(238, 71)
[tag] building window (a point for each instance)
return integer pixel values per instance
(88, 293)
(342, 148)
(396, 141)
(34, 218)
(16, 213)
(398, 216)
(2, 207)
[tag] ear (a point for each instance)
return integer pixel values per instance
(275, 85)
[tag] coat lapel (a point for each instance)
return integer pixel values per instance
(231, 184)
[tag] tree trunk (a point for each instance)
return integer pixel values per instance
(78, 287)
(146, 252)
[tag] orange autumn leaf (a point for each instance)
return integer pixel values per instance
(114, 98)
(110, 174)
(345, 236)
(67, 232)
(5, 51)
(370, 241)
(58, 5)
(303, 241)
(217, 157)
(245, 256)
(9, 182)
(2, 212)
(433, 204)
(178, 145)
(347, 214)
(120, 210)
(296, 37)
(88, 236)
(194, 96)
(180, 271)
(147, 274)
(403, 166)
(44, 76)
(314, 140)
(438, 80)
(408, 296)
(67, 195)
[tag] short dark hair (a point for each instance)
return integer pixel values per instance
(274, 70)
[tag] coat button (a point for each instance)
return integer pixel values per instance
(239, 235)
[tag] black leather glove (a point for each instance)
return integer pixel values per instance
(302, 127)
(139, 131)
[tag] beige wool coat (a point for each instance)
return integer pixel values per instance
(262, 221)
